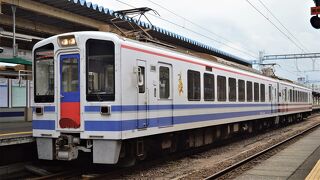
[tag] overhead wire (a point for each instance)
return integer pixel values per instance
(283, 33)
(296, 74)
(193, 31)
(277, 19)
(288, 31)
(195, 24)
(274, 25)
(263, 4)
(217, 41)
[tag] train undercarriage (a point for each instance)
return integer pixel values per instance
(141, 148)
(126, 153)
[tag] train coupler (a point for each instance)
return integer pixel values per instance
(67, 147)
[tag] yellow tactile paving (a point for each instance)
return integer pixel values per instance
(16, 133)
(315, 172)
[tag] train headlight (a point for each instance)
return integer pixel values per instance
(72, 41)
(65, 41)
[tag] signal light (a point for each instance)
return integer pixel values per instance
(315, 22)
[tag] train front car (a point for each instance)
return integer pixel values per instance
(75, 84)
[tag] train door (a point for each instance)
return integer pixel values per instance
(69, 91)
(165, 95)
(285, 99)
(272, 98)
(277, 94)
(142, 98)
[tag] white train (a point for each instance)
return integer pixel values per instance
(116, 98)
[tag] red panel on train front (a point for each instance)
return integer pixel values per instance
(70, 91)
(70, 115)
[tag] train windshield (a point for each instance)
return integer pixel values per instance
(44, 74)
(100, 70)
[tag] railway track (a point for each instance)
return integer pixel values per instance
(237, 165)
(119, 173)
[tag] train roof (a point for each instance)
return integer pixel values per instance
(180, 52)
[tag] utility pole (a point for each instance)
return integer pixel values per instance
(261, 55)
(14, 46)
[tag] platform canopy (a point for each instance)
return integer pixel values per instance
(44, 18)
(16, 60)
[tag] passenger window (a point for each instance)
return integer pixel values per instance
(299, 96)
(293, 96)
(249, 91)
(194, 86)
(208, 87)
(285, 94)
(305, 97)
(142, 88)
(262, 92)
(270, 93)
(69, 75)
(256, 92)
(232, 89)
(164, 79)
(221, 87)
(44, 74)
(241, 90)
(100, 70)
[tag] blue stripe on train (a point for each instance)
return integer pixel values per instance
(153, 122)
(43, 124)
(11, 114)
(49, 109)
(46, 109)
(117, 108)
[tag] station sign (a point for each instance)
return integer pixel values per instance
(315, 10)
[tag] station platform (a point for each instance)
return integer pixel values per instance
(294, 163)
(13, 133)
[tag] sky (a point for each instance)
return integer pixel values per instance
(236, 27)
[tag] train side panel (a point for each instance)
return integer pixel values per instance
(175, 112)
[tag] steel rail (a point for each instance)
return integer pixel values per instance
(59, 175)
(248, 159)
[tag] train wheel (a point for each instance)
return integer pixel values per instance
(141, 152)
(129, 158)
